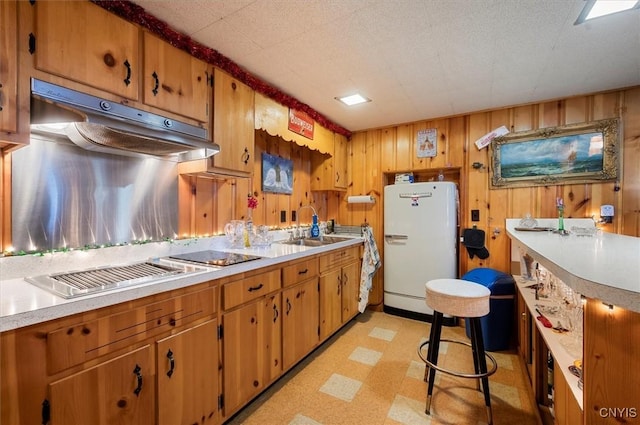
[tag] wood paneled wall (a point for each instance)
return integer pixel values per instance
(374, 156)
(378, 151)
(207, 203)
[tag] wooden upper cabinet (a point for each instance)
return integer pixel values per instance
(83, 42)
(233, 124)
(329, 172)
(340, 153)
(174, 80)
(8, 67)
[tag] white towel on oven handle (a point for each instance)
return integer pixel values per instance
(370, 263)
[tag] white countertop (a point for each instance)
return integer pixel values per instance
(23, 304)
(604, 267)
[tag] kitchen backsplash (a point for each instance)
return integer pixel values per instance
(66, 197)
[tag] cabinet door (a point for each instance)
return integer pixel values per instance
(85, 43)
(524, 328)
(174, 80)
(329, 171)
(340, 153)
(330, 302)
(300, 325)
(188, 376)
(119, 391)
(233, 123)
(252, 356)
(350, 291)
(8, 67)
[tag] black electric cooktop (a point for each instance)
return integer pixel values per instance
(215, 258)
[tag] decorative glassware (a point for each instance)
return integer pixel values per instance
(560, 205)
(528, 222)
(252, 204)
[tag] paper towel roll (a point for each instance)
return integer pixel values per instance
(363, 199)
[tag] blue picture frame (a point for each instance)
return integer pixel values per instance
(277, 174)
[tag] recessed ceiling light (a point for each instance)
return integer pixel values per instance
(597, 8)
(354, 99)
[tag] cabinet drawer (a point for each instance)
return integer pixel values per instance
(251, 287)
(79, 343)
(339, 257)
(299, 271)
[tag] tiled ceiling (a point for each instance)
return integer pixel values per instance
(416, 59)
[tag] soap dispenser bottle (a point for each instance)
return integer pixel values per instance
(315, 230)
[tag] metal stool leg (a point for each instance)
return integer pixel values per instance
(482, 363)
(474, 351)
(434, 347)
(432, 337)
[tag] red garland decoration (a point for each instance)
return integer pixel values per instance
(136, 14)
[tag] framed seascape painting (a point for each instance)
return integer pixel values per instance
(277, 174)
(577, 153)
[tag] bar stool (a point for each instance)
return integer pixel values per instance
(466, 299)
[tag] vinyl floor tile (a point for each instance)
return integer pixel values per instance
(370, 373)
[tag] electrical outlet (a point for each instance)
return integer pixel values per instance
(475, 215)
(283, 216)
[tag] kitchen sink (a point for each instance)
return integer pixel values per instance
(325, 240)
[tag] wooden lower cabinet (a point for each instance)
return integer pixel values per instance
(350, 291)
(45, 379)
(120, 391)
(187, 376)
(300, 323)
(252, 350)
(524, 333)
(330, 302)
(339, 290)
(567, 410)
(123, 390)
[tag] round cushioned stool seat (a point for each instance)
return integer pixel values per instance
(458, 297)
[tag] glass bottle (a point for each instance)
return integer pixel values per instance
(560, 218)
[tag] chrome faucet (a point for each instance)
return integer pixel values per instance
(298, 233)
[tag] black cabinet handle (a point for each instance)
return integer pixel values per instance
(127, 79)
(276, 313)
(339, 285)
(256, 288)
(303, 271)
(32, 43)
(288, 307)
(337, 177)
(156, 84)
(46, 412)
(136, 371)
(246, 156)
(172, 364)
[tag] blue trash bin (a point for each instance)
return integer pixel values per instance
(497, 325)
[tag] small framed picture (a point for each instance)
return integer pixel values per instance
(277, 174)
(427, 143)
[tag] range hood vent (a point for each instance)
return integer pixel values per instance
(101, 125)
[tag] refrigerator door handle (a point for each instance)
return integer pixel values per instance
(396, 237)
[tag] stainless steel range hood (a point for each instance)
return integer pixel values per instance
(101, 125)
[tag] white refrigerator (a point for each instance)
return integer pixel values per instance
(420, 241)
